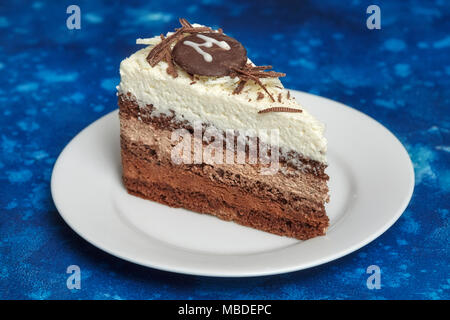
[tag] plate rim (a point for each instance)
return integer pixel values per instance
(331, 257)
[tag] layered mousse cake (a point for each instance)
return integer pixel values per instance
(204, 128)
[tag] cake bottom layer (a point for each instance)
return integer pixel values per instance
(148, 176)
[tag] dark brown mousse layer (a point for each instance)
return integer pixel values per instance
(202, 189)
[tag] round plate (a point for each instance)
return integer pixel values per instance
(371, 183)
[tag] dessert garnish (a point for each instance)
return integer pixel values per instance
(205, 52)
(280, 109)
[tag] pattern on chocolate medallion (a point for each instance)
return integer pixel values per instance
(210, 54)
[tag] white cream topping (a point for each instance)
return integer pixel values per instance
(211, 100)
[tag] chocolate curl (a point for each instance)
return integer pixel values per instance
(280, 109)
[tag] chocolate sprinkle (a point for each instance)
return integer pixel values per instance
(280, 109)
(260, 96)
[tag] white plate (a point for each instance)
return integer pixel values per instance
(372, 180)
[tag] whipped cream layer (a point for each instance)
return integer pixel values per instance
(211, 100)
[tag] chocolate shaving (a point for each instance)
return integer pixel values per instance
(279, 109)
(168, 58)
(239, 87)
(170, 66)
(250, 72)
(185, 23)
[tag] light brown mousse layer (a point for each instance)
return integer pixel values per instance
(288, 203)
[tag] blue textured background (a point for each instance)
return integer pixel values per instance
(56, 81)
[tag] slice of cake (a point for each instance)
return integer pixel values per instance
(205, 129)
